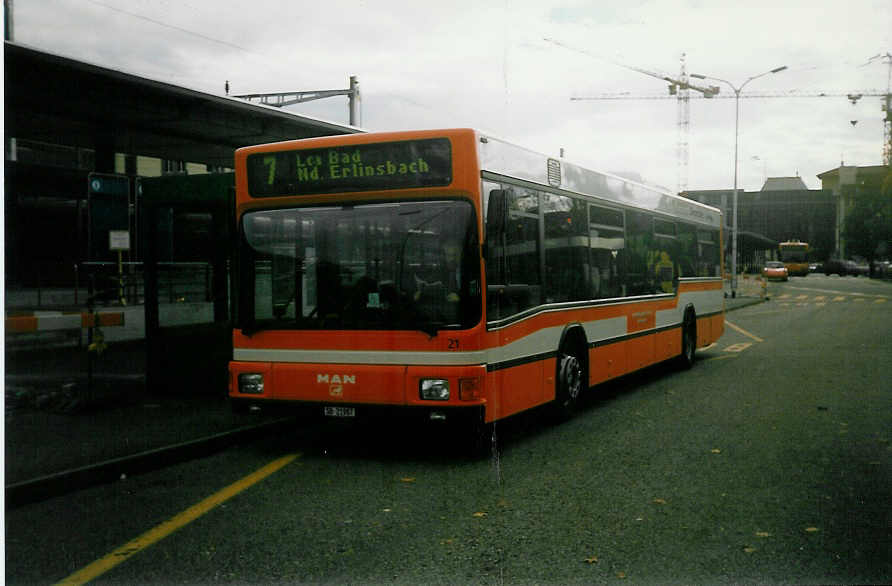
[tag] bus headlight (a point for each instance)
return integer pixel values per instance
(250, 383)
(434, 389)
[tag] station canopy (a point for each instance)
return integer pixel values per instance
(58, 100)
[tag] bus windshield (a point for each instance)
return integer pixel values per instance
(794, 252)
(387, 266)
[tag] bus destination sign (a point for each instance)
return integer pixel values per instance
(362, 167)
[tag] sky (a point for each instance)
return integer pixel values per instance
(510, 68)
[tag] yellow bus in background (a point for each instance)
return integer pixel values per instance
(794, 255)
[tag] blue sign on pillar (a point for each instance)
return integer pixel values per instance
(108, 204)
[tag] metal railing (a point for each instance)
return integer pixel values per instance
(124, 284)
(105, 285)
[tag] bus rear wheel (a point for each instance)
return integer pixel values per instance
(568, 385)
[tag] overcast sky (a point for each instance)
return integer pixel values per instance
(487, 65)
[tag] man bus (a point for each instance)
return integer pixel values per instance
(449, 274)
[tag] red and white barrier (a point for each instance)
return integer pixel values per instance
(43, 321)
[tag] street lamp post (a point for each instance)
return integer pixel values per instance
(737, 91)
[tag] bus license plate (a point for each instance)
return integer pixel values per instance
(340, 412)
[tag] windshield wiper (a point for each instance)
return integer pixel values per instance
(430, 328)
(252, 328)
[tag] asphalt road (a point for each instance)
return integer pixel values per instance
(769, 462)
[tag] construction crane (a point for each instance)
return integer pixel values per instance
(886, 107)
(679, 89)
(852, 96)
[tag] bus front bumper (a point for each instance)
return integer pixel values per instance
(337, 390)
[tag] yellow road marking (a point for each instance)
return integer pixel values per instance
(739, 347)
(155, 535)
(784, 296)
(880, 300)
(838, 292)
(821, 298)
(720, 357)
(801, 297)
(743, 331)
(840, 298)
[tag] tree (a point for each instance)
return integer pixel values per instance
(868, 225)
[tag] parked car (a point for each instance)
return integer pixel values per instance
(855, 268)
(816, 267)
(835, 266)
(775, 271)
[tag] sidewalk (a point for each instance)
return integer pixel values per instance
(64, 433)
(70, 423)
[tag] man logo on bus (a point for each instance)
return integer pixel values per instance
(336, 382)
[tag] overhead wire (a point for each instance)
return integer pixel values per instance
(174, 27)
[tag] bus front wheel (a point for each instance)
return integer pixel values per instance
(568, 385)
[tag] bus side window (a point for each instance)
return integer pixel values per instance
(607, 242)
(708, 248)
(687, 250)
(639, 239)
(512, 259)
(665, 256)
(566, 249)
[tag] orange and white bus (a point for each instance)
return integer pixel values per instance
(447, 273)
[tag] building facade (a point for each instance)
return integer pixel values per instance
(846, 183)
(783, 210)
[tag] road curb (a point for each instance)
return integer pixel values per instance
(59, 483)
(740, 304)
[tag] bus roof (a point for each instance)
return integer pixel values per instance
(505, 159)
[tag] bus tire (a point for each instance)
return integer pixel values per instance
(685, 360)
(568, 385)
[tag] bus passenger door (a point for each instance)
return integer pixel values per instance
(513, 272)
